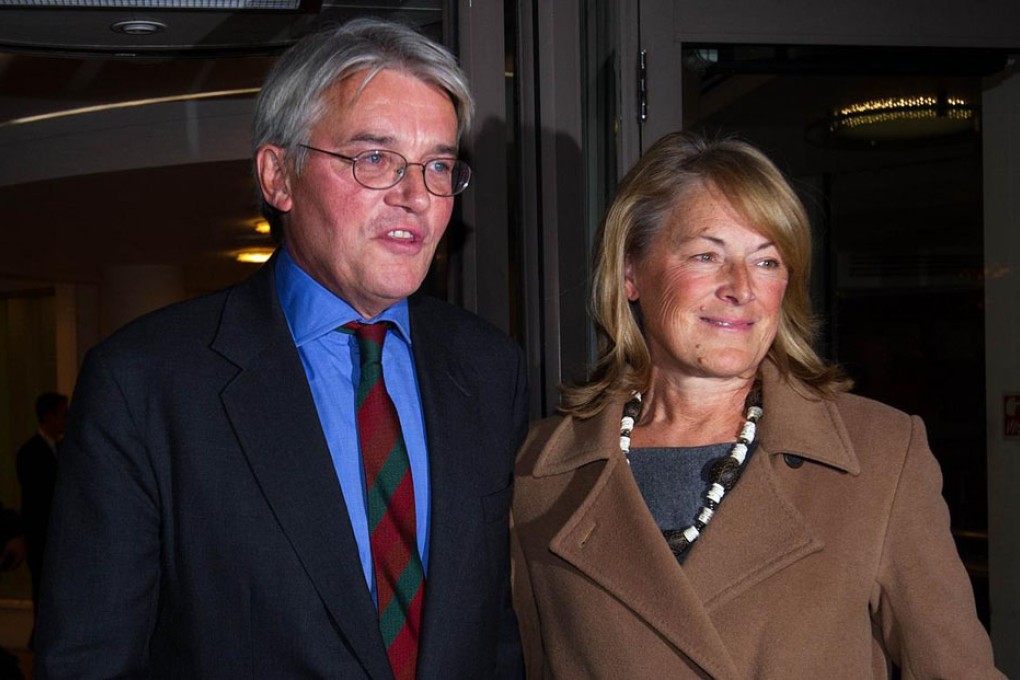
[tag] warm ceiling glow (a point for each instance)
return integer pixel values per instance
(125, 105)
(904, 117)
(254, 255)
(262, 227)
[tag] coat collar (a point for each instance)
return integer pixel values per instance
(802, 425)
(794, 423)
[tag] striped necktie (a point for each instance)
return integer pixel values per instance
(389, 494)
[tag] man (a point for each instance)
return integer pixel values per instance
(12, 554)
(37, 474)
(221, 511)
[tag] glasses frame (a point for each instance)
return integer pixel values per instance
(353, 160)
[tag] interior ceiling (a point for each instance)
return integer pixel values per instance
(70, 228)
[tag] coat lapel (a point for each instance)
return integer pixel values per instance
(612, 539)
(755, 533)
(273, 413)
(758, 531)
(451, 411)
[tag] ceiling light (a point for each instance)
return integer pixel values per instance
(894, 119)
(254, 255)
(262, 227)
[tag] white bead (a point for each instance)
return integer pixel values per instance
(690, 533)
(705, 515)
(716, 492)
(625, 444)
(627, 423)
(747, 434)
(754, 413)
(739, 452)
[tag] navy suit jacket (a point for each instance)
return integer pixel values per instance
(199, 529)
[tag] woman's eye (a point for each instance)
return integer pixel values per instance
(770, 263)
(704, 257)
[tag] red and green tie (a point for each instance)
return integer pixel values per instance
(389, 493)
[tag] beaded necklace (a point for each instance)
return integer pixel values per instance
(724, 473)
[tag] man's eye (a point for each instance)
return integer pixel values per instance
(441, 166)
(372, 158)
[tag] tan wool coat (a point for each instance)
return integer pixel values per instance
(832, 553)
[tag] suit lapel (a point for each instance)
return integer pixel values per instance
(449, 409)
(273, 413)
(612, 539)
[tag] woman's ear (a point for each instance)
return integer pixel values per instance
(274, 181)
(629, 282)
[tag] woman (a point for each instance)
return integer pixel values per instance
(713, 503)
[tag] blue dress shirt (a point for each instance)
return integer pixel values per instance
(331, 362)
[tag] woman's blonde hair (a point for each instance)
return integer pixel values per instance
(654, 192)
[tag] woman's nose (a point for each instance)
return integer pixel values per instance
(736, 285)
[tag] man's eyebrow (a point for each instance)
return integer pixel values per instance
(387, 142)
(446, 150)
(372, 138)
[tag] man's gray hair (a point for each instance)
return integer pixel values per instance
(292, 99)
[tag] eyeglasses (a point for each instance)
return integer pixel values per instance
(382, 169)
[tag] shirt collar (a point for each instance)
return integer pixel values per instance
(312, 311)
(50, 441)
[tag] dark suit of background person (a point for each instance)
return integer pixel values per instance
(199, 529)
(37, 474)
(12, 554)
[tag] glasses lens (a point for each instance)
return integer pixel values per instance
(379, 169)
(461, 176)
(446, 176)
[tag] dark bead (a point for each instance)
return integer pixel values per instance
(632, 408)
(725, 472)
(676, 541)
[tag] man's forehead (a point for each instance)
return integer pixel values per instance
(343, 99)
(350, 88)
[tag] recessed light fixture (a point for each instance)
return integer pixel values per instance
(138, 27)
(254, 255)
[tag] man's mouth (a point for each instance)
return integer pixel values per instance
(401, 235)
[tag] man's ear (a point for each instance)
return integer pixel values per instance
(274, 180)
(629, 282)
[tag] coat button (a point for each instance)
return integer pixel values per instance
(792, 460)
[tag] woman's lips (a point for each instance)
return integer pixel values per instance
(736, 324)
